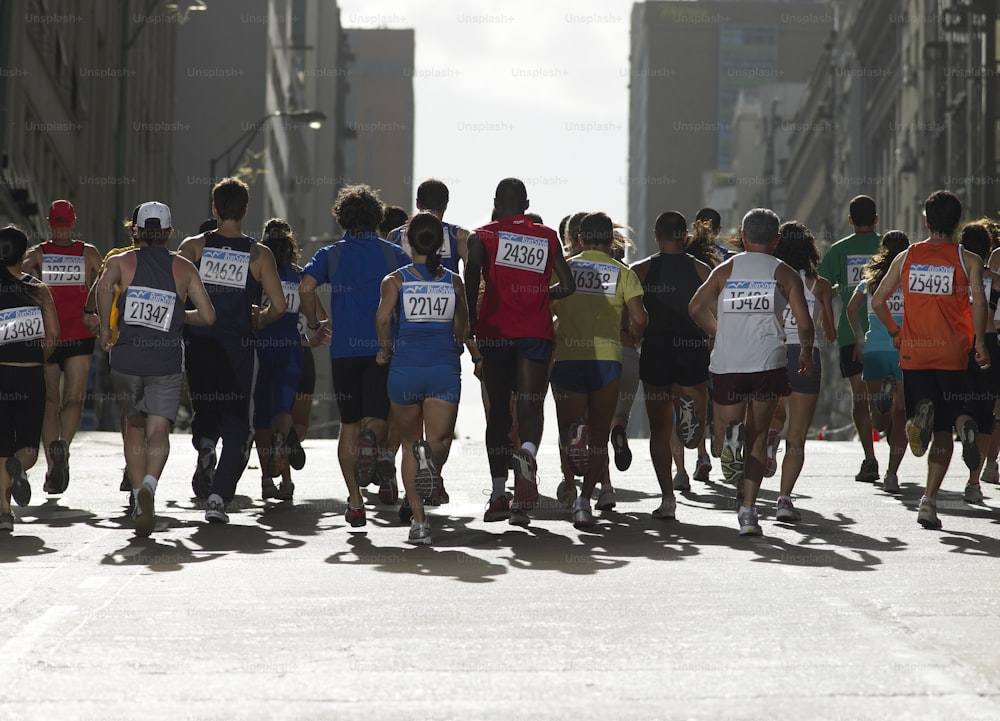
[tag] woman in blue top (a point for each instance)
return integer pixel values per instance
(879, 357)
(432, 318)
(279, 367)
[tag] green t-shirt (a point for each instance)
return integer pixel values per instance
(590, 319)
(844, 266)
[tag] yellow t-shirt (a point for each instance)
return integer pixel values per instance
(590, 319)
(114, 304)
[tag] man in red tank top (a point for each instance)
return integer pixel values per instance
(941, 344)
(516, 258)
(69, 267)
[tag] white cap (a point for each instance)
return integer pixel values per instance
(153, 211)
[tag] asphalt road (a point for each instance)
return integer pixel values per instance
(856, 612)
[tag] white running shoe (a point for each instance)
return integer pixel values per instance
(667, 510)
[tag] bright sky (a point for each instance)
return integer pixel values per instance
(534, 89)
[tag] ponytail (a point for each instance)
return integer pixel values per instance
(433, 262)
(426, 236)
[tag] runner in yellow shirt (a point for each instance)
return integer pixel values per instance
(588, 354)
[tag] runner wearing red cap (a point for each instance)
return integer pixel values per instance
(69, 267)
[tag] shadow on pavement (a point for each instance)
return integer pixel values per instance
(239, 538)
(419, 560)
(171, 555)
(971, 544)
(15, 547)
(52, 513)
(297, 519)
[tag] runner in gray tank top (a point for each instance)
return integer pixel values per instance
(147, 359)
(741, 306)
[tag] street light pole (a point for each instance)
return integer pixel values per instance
(314, 118)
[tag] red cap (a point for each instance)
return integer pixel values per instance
(61, 213)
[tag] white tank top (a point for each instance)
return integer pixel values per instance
(791, 326)
(750, 336)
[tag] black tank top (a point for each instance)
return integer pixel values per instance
(22, 329)
(669, 286)
(225, 269)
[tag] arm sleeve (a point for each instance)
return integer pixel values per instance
(830, 266)
(318, 266)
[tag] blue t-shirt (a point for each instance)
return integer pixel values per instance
(354, 267)
(877, 338)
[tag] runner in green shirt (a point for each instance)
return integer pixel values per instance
(843, 265)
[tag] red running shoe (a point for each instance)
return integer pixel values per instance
(498, 509)
(355, 517)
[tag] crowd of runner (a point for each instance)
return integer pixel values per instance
(720, 333)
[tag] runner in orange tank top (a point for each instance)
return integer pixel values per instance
(941, 344)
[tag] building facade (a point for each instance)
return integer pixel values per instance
(689, 63)
(85, 113)
(379, 113)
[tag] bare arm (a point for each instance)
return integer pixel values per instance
(191, 248)
(33, 262)
(110, 278)
(51, 320)
(853, 306)
(460, 326)
(473, 274)
(825, 299)
(270, 281)
(979, 306)
(383, 317)
(92, 263)
(462, 240)
(706, 298)
(194, 289)
(637, 317)
(567, 284)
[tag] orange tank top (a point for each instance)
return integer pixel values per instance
(937, 329)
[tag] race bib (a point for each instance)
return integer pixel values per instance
(290, 289)
(523, 252)
(149, 307)
(790, 322)
(749, 296)
(63, 269)
(856, 269)
(220, 266)
(593, 278)
(428, 302)
(894, 303)
(18, 325)
(931, 279)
